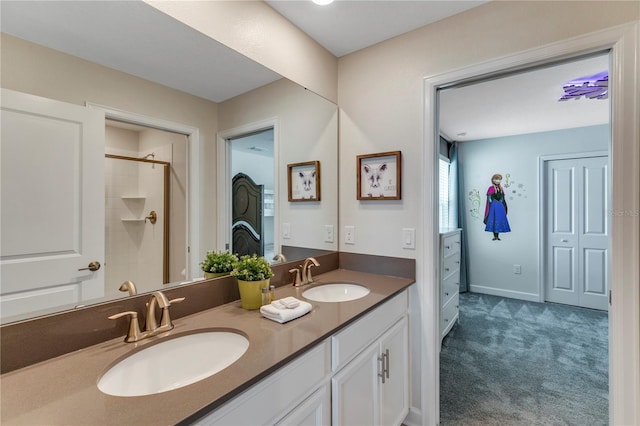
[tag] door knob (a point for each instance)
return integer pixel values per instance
(93, 266)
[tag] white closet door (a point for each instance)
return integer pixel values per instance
(52, 223)
(577, 232)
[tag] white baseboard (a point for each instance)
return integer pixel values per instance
(414, 418)
(531, 297)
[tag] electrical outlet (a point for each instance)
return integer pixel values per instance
(286, 230)
(517, 269)
(408, 238)
(349, 235)
(328, 233)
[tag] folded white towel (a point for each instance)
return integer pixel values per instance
(283, 315)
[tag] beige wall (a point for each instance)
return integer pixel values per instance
(307, 131)
(30, 68)
(262, 34)
(381, 95)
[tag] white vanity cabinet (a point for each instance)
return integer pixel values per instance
(450, 250)
(295, 394)
(357, 376)
(373, 387)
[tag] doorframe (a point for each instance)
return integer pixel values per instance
(192, 248)
(624, 316)
(224, 178)
(542, 216)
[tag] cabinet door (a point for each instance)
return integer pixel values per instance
(394, 393)
(354, 390)
(314, 411)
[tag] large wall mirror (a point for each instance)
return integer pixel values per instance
(151, 173)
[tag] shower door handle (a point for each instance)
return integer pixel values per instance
(93, 266)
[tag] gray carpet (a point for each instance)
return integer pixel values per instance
(511, 362)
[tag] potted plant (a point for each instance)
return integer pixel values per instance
(218, 263)
(253, 274)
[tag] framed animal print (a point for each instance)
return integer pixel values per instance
(304, 181)
(379, 176)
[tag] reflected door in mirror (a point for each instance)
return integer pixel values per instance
(52, 203)
(247, 216)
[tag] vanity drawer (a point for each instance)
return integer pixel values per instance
(450, 287)
(449, 314)
(450, 244)
(349, 342)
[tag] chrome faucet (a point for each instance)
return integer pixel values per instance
(309, 262)
(156, 300)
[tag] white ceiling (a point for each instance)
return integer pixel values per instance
(345, 26)
(522, 103)
(135, 38)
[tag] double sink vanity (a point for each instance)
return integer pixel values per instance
(346, 361)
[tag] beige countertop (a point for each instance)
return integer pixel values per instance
(64, 390)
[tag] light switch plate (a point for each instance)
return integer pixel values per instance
(286, 230)
(349, 234)
(328, 233)
(409, 238)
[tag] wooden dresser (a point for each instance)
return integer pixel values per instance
(449, 279)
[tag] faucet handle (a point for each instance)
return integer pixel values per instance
(309, 277)
(134, 334)
(296, 277)
(165, 319)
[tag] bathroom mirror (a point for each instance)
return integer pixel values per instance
(24, 70)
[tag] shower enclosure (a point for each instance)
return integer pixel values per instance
(136, 222)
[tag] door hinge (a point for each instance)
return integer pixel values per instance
(609, 297)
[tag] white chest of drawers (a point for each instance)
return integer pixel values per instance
(449, 279)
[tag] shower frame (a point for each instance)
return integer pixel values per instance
(165, 225)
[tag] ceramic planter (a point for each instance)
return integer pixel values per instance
(251, 293)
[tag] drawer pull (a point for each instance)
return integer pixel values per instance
(457, 242)
(446, 269)
(458, 262)
(384, 361)
(446, 294)
(446, 320)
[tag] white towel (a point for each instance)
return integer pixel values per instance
(282, 314)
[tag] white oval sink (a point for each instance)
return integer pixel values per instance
(336, 292)
(174, 363)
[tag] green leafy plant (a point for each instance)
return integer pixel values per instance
(218, 261)
(252, 268)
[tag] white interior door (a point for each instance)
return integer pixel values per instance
(52, 212)
(577, 234)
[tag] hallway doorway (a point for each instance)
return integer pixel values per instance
(513, 265)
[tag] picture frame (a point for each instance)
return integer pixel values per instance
(379, 176)
(304, 181)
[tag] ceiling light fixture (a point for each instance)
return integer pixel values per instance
(322, 2)
(591, 87)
